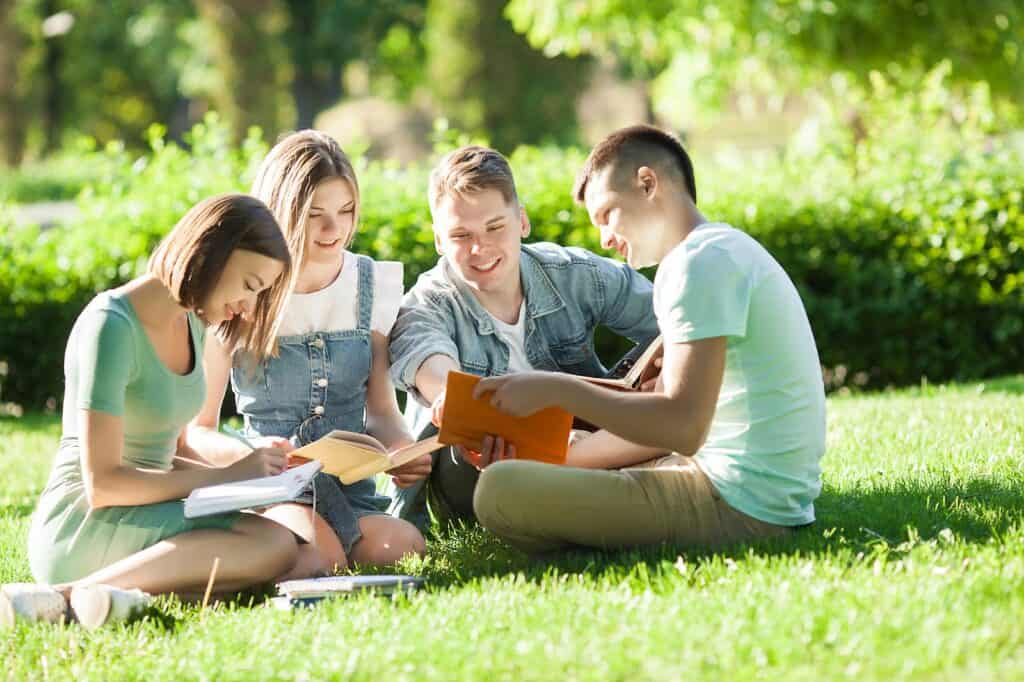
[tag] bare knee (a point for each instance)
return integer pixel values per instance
(278, 547)
(333, 557)
(386, 540)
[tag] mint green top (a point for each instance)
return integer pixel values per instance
(768, 433)
(111, 366)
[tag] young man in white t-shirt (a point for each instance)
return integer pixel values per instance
(727, 448)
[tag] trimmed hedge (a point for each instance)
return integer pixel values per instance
(911, 271)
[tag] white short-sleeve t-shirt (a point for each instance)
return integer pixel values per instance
(336, 306)
(768, 433)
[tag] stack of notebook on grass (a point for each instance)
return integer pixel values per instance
(307, 593)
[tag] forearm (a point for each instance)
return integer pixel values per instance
(389, 429)
(129, 487)
(186, 461)
(432, 376)
(210, 445)
(652, 420)
(605, 450)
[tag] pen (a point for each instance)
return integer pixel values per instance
(237, 435)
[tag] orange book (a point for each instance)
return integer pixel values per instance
(543, 436)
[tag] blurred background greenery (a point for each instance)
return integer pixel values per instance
(874, 147)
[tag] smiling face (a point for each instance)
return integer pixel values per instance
(330, 222)
(246, 274)
(480, 234)
(627, 212)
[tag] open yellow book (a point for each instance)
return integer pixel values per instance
(354, 456)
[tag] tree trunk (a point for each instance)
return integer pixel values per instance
(302, 20)
(12, 104)
(312, 89)
(53, 99)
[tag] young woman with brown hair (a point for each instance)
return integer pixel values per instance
(110, 524)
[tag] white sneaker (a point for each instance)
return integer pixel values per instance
(96, 605)
(31, 603)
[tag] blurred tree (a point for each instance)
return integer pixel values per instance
(124, 67)
(106, 69)
(717, 47)
(55, 27)
(13, 90)
(324, 36)
(488, 79)
(247, 49)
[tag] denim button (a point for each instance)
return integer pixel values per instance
(319, 409)
(318, 342)
(322, 383)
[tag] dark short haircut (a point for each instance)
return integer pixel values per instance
(628, 149)
(190, 260)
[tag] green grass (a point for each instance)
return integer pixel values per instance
(915, 570)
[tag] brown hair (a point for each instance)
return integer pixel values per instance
(289, 175)
(468, 170)
(629, 148)
(190, 261)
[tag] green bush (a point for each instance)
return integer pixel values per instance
(910, 269)
(60, 177)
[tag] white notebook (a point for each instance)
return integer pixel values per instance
(257, 492)
(339, 585)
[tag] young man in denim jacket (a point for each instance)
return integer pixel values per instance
(494, 306)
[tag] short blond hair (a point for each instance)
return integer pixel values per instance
(289, 175)
(469, 170)
(191, 259)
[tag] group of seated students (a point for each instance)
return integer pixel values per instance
(262, 292)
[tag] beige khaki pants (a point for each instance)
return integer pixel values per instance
(542, 507)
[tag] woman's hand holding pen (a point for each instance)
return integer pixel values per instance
(258, 463)
(269, 455)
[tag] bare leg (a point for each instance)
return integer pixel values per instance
(323, 552)
(386, 540)
(253, 552)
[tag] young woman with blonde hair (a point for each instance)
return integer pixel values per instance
(331, 370)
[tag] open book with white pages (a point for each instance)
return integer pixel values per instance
(288, 486)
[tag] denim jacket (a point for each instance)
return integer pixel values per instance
(568, 293)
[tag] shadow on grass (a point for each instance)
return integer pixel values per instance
(33, 422)
(892, 514)
(19, 510)
(1013, 385)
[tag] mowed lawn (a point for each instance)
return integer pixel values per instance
(915, 570)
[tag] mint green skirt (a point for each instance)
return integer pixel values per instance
(69, 541)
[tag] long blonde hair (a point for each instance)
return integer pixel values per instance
(288, 177)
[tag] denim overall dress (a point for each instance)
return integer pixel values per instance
(317, 384)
